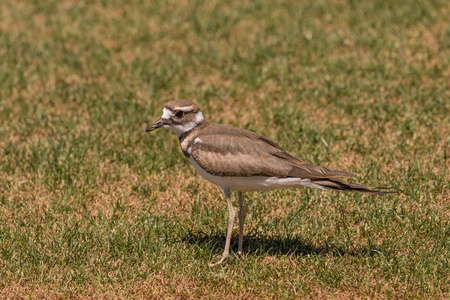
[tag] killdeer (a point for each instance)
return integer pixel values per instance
(239, 160)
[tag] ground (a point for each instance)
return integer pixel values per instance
(91, 207)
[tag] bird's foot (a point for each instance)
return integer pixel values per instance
(220, 261)
(240, 253)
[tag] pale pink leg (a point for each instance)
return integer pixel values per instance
(231, 215)
(241, 222)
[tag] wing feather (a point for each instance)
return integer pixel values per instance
(234, 152)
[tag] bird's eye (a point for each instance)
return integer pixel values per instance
(179, 114)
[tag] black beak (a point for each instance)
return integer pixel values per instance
(157, 124)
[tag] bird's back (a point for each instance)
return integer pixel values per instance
(234, 152)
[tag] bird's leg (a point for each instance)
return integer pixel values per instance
(241, 222)
(231, 215)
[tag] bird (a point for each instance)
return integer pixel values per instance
(239, 160)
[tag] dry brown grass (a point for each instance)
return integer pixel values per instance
(91, 207)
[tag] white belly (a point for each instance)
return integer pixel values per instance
(252, 184)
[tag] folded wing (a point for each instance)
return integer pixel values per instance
(245, 153)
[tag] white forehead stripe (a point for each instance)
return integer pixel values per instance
(185, 109)
(167, 114)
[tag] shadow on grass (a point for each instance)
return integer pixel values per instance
(256, 244)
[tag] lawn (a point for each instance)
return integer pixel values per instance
(93, 207)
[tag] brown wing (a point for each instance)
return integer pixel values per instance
(234, 152)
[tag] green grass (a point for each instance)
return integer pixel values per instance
(90, 206)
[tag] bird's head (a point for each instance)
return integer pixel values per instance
(179, 115)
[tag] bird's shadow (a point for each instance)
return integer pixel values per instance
(262, 245)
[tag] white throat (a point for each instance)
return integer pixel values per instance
(179, 129)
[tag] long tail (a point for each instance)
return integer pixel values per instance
(338, 185)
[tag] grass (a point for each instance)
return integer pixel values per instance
(90, 207)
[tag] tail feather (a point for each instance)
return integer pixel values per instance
(338, 185)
